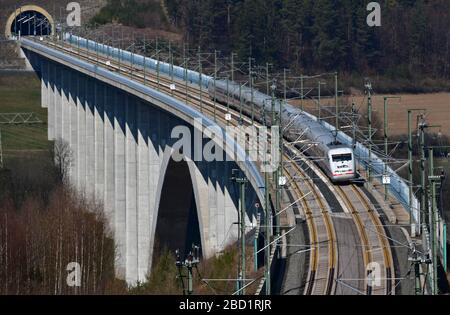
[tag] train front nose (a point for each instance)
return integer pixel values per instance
(343, 170)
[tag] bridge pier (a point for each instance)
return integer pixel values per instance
(44, 84)
(144, 190)
(80, 154)
(120, 189)
(131, 189)
(99, 142)
(74, 130)
(51, 103)
(58, 103)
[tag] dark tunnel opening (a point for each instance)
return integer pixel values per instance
(177, 224)
(31, 23)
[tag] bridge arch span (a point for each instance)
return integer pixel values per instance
(121, 134)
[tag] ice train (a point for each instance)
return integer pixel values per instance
(335, 159)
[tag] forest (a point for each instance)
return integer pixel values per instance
(412, 43)
(409, 52)
(45, 225)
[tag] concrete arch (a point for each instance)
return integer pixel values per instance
(133, 131)
(30, 7)
(167, 155)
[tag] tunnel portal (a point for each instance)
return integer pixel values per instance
(29, 21)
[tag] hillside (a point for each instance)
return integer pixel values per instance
(146, 17)
(135, 13)
(410, 51)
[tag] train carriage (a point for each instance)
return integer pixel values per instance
(336, 160)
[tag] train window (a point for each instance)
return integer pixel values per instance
(342, 157)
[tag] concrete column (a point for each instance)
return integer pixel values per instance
(155, 160)
(73, 126)
(58, 103)
(217, 213)
(81, 137)
(65, 109)
(144, 201)
(222, 229)
(44, 93)
(51, 101)
(99, 113)
(131, 190)
(109, 178)
(231, 212)
(44, 83)
(119, 179)
(90, 139)
(209, 170)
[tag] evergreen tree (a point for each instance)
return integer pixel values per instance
(315, 35)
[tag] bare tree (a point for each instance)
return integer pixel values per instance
(63, 157)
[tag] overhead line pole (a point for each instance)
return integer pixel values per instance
(276, 175)
(232, 67)
(318, 101)
(228, 98)
(186, 62)
(250, 80)
(386, 139)
(302, 94)
(145, 52)
(242, 182)
(157, 62)
(215, 79)
(336, 100)
(410, 171)
(171, 70)
(369, 119)
(432, 179)
(423, 189)
(433, 218)
(267, 216)
(1, 150)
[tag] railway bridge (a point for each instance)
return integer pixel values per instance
(129, 152)
(127, 133)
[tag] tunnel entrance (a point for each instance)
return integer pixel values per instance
(177, 224)
(31, 23)
(29, 20)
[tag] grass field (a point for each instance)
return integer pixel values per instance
(436, 104)
(20, 92)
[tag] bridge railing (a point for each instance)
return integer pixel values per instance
(178, 72)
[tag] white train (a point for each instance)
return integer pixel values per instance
(335, 159)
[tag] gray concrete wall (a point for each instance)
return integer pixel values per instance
(121, 147)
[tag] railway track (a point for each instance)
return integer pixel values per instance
(324, 253)
(375, 246)
(323, 258)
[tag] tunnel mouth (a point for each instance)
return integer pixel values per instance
(31, 23)
(177, 226)
(29, 20)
